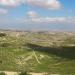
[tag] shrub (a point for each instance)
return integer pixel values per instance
(24, 73)
(2, 34)
(2, 73)
(5, 44)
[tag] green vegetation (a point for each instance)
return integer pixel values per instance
(2, 73)
(38, 52)
(2, 34)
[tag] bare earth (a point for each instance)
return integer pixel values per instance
(15, 73)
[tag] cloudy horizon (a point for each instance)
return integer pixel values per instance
(37, 14)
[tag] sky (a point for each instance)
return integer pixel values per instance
(37, 14)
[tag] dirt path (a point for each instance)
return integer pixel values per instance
(9, 73)
(36, 57)
(29, 57)
(15, 73)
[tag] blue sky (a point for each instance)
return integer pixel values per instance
(37, 14)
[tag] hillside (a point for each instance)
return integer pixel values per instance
(51, 52)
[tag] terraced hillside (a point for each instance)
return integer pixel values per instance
(51, 52)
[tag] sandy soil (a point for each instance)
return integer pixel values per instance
(15, 73)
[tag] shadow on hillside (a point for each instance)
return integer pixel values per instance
(63, 52)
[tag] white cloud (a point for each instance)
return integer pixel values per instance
(40, 19)
(33, 17)
(32, 14)
(46, 20)
(7, 4)
(10, 2)
(3, 11)
(49, 4)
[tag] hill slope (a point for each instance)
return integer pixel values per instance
(52, 52)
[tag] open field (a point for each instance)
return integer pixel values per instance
(38, 52)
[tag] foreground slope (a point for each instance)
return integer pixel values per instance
(52, 52)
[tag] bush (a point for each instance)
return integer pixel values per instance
(5, 44)
(24, 73)
(2, 73)
(2, 34)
